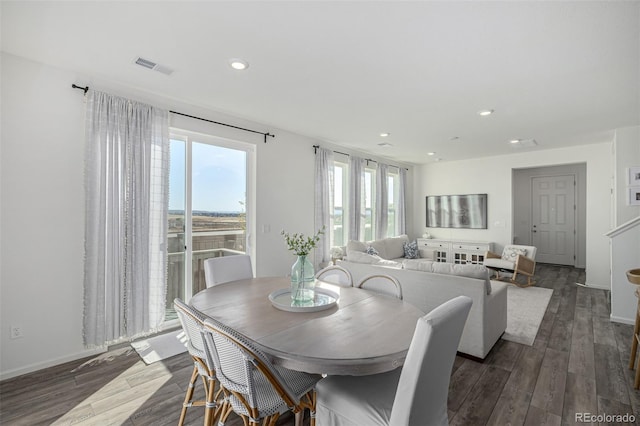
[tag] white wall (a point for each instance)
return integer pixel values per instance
(494, 176)
(625, 248)
(42, 204)
(627, 154)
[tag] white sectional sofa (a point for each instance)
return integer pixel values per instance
(427, 284)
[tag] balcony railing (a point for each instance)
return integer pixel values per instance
(205, 246)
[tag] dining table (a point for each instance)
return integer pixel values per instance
(359, 333)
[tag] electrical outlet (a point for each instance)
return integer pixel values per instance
(16, 332)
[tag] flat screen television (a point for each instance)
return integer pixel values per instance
(457, 211)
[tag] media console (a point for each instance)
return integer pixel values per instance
(456, 251)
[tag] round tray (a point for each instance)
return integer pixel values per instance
(324, 299)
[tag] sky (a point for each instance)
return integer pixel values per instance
(218, 177)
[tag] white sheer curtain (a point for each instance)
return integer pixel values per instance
(127, 166)
(323, 204)
(382, 201)
(402, 203)
(356, 208)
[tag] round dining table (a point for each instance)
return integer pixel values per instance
(362, 333)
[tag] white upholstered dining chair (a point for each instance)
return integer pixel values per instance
(383, 284)
(220, 270)
(255, 389)
(192, 321)
(414, 395)
(337, 275)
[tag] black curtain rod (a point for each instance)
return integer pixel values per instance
(225, 124)
(86, 88)
(315, 151)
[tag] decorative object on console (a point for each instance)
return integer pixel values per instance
(516, 259)
(302, 272)
(457, 211)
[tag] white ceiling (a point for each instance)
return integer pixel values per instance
(562, 73)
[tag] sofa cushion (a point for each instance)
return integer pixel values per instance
(353, 245)
(411, 250)
(360, 257)
(372, 259)
(372, 251)
(470, 271)
(394, 246)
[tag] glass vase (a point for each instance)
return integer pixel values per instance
(302, 282)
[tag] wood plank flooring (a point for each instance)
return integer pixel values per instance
(577, 364)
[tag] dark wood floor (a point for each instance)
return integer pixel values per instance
(578, 364)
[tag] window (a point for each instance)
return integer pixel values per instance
(340, 218)
(393, 185)
(341, 213)
(369, 195)
(209, 211)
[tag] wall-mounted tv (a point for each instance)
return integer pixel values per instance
(457, 211)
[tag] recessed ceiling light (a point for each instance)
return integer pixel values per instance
(431, 153)
(454, 138)
(385, 145)
(514, 141)
(238, 64)
(485, 112)
(384, 134)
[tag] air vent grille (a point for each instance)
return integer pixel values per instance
(146, 63)
(153, 66)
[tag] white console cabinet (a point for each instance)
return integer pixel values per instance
(456, 251)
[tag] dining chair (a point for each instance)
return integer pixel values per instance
(192, 322)
(255, 389)
(220, 270)
(383, 284)
(415, 394)
(337, 275)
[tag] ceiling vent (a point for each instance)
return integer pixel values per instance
(153, 66)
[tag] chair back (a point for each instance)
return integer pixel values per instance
(383, 284)
(192, 321)
(335, 275)
(219, 270)
(510, 249)
(243, 370)
(423, 388)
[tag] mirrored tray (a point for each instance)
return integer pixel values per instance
(324, 299)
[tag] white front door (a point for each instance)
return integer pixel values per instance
(553, 219)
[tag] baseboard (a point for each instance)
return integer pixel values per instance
(587, 285)
(49, 363)
(622, 320)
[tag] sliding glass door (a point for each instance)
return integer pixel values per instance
(209, 208)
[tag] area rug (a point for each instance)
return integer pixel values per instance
(161, 347)
(525, 310)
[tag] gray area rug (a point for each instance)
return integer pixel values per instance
(161, 347)
(525, 310)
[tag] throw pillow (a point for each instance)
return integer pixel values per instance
(411, 250)
(511, 253)
(371, 250)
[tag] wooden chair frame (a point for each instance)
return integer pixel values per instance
(523, 265)
(389, 278)
(307, 401)
(213, 400)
